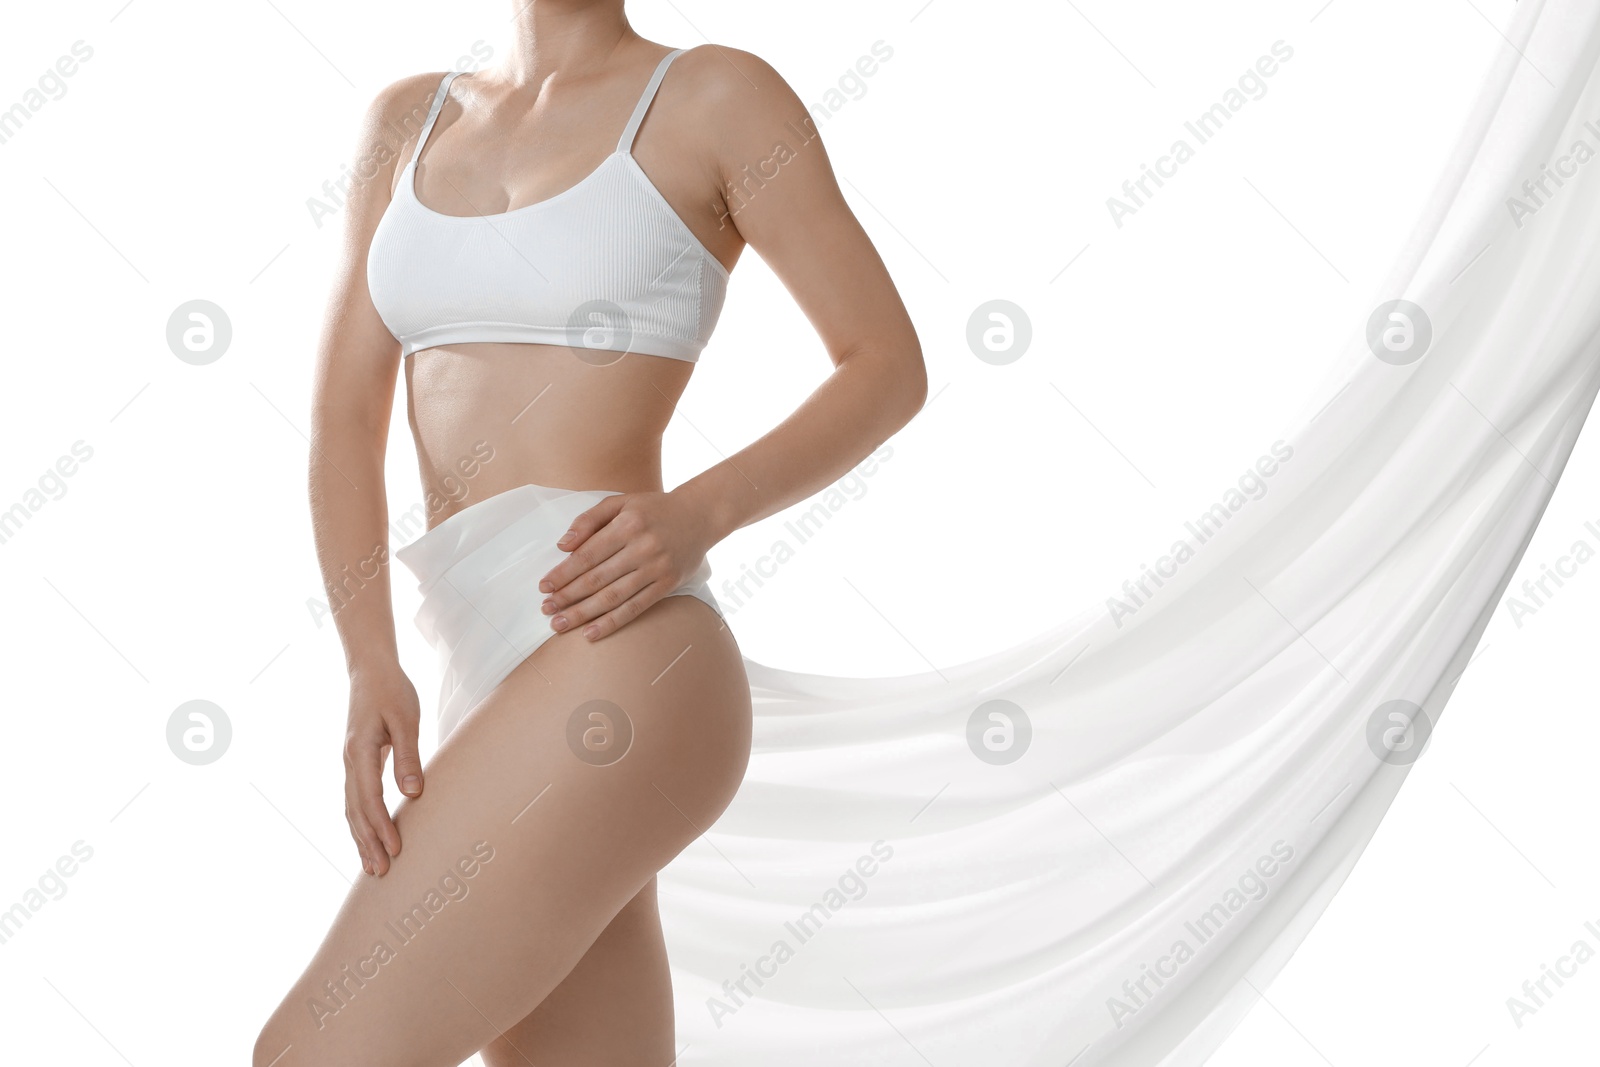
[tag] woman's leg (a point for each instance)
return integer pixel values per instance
(613, 1010)
(529, 839)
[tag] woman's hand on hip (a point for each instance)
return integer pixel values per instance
(627, 552)
(384, 715)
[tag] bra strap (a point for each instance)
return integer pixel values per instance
(433, 114)
(625, 144)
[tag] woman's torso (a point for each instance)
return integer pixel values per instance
(487, 416)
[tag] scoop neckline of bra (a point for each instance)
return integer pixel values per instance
(411, 187)
(409, 184)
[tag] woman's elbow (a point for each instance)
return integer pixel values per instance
(912, 381)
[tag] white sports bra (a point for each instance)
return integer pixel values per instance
(605, 264)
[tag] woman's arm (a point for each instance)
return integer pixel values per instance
(764, 150)
(357, 366)
(788, 207)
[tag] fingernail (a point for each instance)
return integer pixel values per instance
(559, 622)
(565, 538)
(591, 632)
(366, 866)
(411, 784)
(545, 586)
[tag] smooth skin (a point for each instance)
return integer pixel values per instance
(551, 951)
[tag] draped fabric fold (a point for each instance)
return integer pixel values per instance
(1095, 847)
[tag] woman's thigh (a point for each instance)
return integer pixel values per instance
(550, 806)
(614, 1008)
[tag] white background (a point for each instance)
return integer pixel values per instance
(178, 563)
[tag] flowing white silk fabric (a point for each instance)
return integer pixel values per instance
(1205, 773)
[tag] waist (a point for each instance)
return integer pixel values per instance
(492, 475)
(486, 418)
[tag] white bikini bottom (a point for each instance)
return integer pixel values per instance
(479, 571)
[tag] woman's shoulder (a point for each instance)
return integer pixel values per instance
(405, 100)
(723, 67)
(734, 90)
